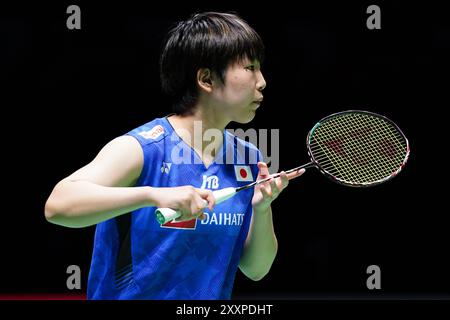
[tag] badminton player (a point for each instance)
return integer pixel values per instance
(210, 67)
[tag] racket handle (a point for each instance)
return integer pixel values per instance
(164, 215)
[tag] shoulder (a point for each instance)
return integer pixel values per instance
(151, 132)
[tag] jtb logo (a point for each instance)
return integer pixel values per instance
(211, 182)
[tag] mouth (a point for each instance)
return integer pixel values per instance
(258, 103)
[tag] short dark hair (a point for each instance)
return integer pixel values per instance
(210, 40)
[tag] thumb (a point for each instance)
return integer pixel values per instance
(207, 195)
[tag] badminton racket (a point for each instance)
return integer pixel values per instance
(353, 148)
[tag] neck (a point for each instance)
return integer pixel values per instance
(208, 117)
(202, 130)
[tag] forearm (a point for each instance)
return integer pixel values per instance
(82, 203)
(260, 247)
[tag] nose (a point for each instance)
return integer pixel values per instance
(261, 82)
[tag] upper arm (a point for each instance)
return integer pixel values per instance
(118, 164)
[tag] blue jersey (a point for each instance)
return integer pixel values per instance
(137, 258)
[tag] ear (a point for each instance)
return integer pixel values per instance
(204, 79)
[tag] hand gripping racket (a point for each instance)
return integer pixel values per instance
(354, 148)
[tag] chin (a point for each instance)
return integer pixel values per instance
(246, 118)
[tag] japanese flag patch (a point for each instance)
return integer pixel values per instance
(243, 173)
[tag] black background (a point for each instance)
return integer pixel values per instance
(68, 92)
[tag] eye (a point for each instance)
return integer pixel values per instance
(250, 67)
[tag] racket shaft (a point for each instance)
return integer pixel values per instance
(305, 166)
(164, 215)
(310, 164)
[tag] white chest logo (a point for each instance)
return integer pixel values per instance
(211, 182)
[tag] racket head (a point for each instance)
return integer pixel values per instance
(358, 148)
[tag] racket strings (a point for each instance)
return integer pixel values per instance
(358, 148)
(360, 158)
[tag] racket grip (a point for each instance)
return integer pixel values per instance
(164, 215)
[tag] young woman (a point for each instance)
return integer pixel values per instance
(210, 67)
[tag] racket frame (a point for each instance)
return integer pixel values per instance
(316, 164)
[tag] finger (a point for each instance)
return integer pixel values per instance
(263, 170)
(201, 204)
(284, 180)
(196, 206)
(274, 188)
(265, 192)
(295, 174)
(208, 196)
(199, 215)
